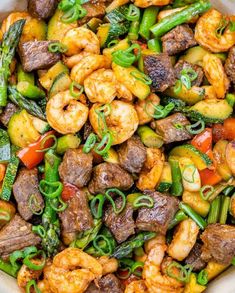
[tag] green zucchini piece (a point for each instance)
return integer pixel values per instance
(40, 125)
(166, 178)
(195, 55)
(60, 84)
(200, 159)
(117, 15)
(69, 141)
(93, 24)
(210, 110)
(149, 137)
(29, 90)
(179, 104)
(24, 76)
(10, 176)
(5, 147)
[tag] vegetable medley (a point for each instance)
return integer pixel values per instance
(117, 146)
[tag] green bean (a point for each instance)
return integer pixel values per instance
(133, 33)
(179, 217)
(213, 215)
(224, 209)
(193, 215)
(148, 20)
(155, 45)
(177, 185)
(171, 21)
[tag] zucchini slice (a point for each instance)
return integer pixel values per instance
(60, 84)
(68, 141)
(166, 178)
(117, 15)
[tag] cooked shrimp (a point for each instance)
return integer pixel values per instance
(145, 109)
(25, 274)
(215, 74)
(69, 120)
(158, 239)
(183, 240)
(71, 272)
(123, 92)
(87, 65)
(122, 121)
(136, 287)
(44, 286)
(190, 175)
(155, 281)
(81, 39)
(206, 36)
(109, 265)
(147, 3)
(71, 61)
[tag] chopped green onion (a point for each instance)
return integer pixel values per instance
(154, 45)
(112, 43)
(133, 33)
(206, 191)
(65, 5)
(224, 209)
(143, 201)
(29, 250)
(178, 126)
(133, 13)
(14, 257)
(142, 77)
(126, 58)
(4, 215)
(41, 168)
(31, 284)
(73, 14)
(189, 172)
(90, 143)
(103, 147)
(32, 266)
(54, 204)
(193, 128)
(76, 89)
(57, 185)
(43, 142)
(183, 272)
(97, 212)
(213, 215)
(57, 47)
(192, 74)
(186, 81)
(34, 205)
(202, 278)
(159, 111)
(99, 248)
(135, 268)
(39, 230)
(124, 276)
(109, 197)
(221, 27)
(193, 215)
(178, 87)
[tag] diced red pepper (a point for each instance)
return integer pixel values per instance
(203, 141)
(69, 191)
(209, 177)
(30, 155)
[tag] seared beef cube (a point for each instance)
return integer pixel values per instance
(16, 235)
(178, 40)
(230, 65)
(42, 8)
(93, 10)
(35, 55)
(121, 225)
(87, 130)
(194, 258)
(159, 68)
(8, 111)
(168, 128)
(76, 167)
(132, 154)
(181, 65)
(107, 284)
(108, 175)
(218, 243)
(76, 217)
(158, 218)
(25, 186)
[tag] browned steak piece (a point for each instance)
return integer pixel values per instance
(42, 8)
(121, 225)
(108, 175)
(16, 235)
(76, 217)
(132, 154)
(184, 65)
(107, 284)
(76, 167)
(158, 218)
(178, 40)
(230, 65)
(25, 186)
(93, 10)
(172, 128)
(159, 68)
(218, 243)
(34, 55)
(8, 111)
(194, 258)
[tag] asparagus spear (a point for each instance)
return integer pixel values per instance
(7, 51)
(29, 105)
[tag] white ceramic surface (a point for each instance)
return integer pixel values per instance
(225, 283)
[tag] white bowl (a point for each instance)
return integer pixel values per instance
(225, 282)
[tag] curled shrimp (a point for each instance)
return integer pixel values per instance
(71, 61)
(122, 120)
(102, 87)
(147, 3)
(136, 287)
(155, 280)
(87, 65)
(69, 120)
(206, 32)
(145, 108)
(184, 239)
(216, 75)
(81, 39)
(72, 271)
(25, 274)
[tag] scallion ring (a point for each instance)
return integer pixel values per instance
(178, 126)
(125, 273)
(101, 250)
(206, 191)
(90, 143)
(65, 5)
(187, 171)
(35, 205)
(14, 257)
(135, 268)
(202, 278)
(105, 144)
(143, 201)
(196, 128)
(112, 43)
(44, 184)
(44, 141)
(29, 250)
(141, 76)
(57, 47)
(39, 230)
(96, 206)
(183, 271)
(31, 284)
(133, 13)
(186, 81)
(177, 87)
(76, 89)
(58, 205)
(221, 27)
(73, 14)
(116, 191)
(32, 266)
(4, 215)
(192, 74)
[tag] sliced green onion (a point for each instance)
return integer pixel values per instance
(43, 142)
(65, 5)
(135, 267)
(16, 256)
(112, 43)
(73, 14)
(41, 168)
(99, 248)
(32, 266)
(31, 284)
(193, 215)
(141, 76)
(90, 143)
(57, 47)
(154, 45)
(214, 211)
(123, 277)
(159, 111)
(105, 144)
(178, 126)
(34, 205)
(192, 74)
(57, 185)
(186, 81)
(109, 197)
(126, 58)
(221, 27)
(76, 89)
(196, 128)
(4, 215)
(39, 230)
(143, 201)
(194, 169)
(202, 278)
(97, 212)
(183, 274)
(29, 250)
(206, 191)
(133, 13)
(55, 202)
(178, 87)
(224, 209)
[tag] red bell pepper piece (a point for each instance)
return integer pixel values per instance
(203, 142)
(69, 191)
(30, 155)
(209, 177)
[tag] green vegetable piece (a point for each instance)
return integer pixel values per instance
(133, 33)
(8, 268)
(155, 45)
(177, 185)
(225, 203)
(149, 137)
(230, 98)
(24, 76)
(179, 217)
(5, 147)
(148, 20)
(69, 141)
(192, 214)
(213, 215)
(30, 91)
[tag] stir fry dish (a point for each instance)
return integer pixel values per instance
(117, 146)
